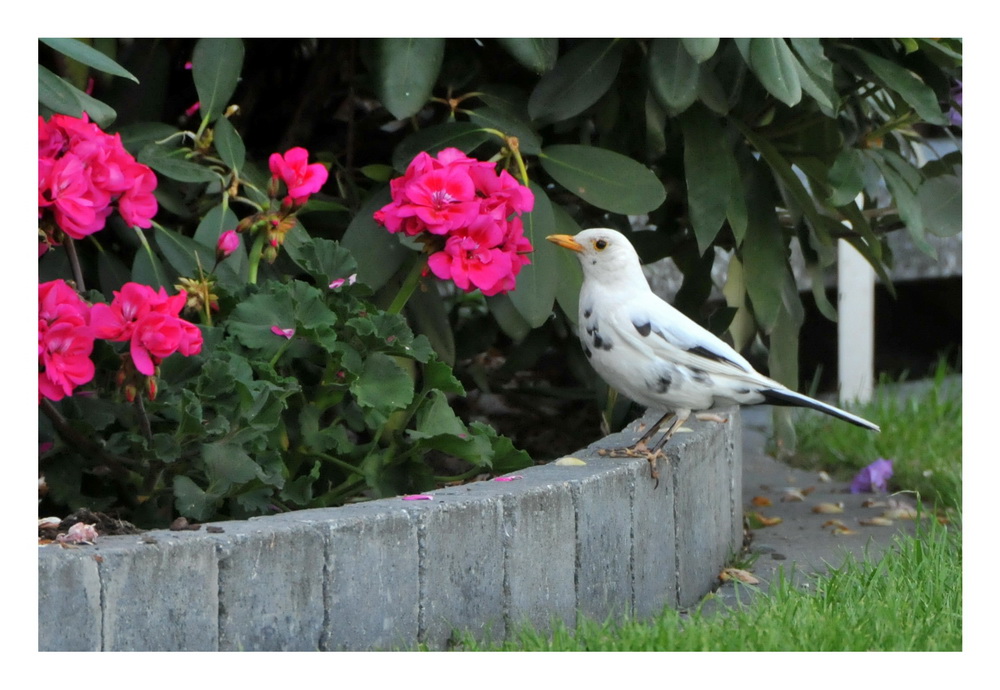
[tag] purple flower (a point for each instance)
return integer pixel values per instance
(872, 478)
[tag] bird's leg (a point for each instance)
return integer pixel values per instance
(679, 418)
(639, 449)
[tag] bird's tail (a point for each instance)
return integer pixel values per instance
(784, 396)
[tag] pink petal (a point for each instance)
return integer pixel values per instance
(418, 497)
(284, 332)
(511, 478)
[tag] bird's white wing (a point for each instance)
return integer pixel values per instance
(670, 335)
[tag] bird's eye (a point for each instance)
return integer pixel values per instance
(600, 244)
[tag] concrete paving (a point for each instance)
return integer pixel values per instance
(802, 542)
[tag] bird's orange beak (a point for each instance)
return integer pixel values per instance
(566, 241)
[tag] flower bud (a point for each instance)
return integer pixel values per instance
(228, 243)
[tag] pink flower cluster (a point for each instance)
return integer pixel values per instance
(473, 208)
(65, 341)
(82, 171)
(301, 179)
(149, 321)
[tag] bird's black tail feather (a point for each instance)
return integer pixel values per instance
(779, 396)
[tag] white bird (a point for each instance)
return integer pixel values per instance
(655, 355)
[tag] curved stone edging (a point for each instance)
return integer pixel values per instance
(485, 557)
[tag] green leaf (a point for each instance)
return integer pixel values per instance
(383, 384)
(147, 269)
(774, 64)
(192, 501)
(218, 220)
(940, 200)
(903, 180)
(324, 260)
(537, 54)
(528, 140)
(816, 72)
(86, 55)
(438, 375)
(908, 85)
(709, 167)
(606, 179)
(846, 177)
(429, 314)
(183, 253)
(464, 136)
(215, 67)
(378, 253)
(536, 283)
(226, 464)
(436, 418)
(673, 74)
(789, 180)
(763, 253)
(578, 80)
(60, 96)
(570, 273)
(508, 317)
(169, 163)
(701, 49)
(406, 70)
(228, 143)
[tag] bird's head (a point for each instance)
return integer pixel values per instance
(605, 254)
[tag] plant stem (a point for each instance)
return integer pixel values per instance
(409, 285)
(255, 252)
(74, 261)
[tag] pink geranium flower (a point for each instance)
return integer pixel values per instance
(149, 320)
(229, 242)
(65, 341)
(83, 172)
(301, 178)
(474, 208)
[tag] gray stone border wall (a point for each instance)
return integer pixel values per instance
(599, 539)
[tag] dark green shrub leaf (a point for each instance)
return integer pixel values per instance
(940, 199)
(228, 143)
(60, 96)
(578, 80)
(846, 178)
(378, 252)
(464, 136)
(700, 49)
(709, 167)
(673, 74)
(537, 54)
(606, 179)
(173, 165)
(536, 283)
(86, 55)
(914, 91)
(406, 71)
(774, 64)
(529, 142)
(215, 67)
(184, 254)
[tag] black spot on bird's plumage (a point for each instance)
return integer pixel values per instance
(662, 384)
(701, 376)
(708, 354)
(586, 351)
(643, 328)
(587, 312)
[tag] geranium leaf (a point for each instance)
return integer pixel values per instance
(383, 385)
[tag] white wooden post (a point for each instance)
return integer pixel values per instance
(856, 324)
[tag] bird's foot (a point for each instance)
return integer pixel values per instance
(639, 450)
(710, 417)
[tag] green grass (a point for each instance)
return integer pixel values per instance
(921, 434)
(910, 600)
